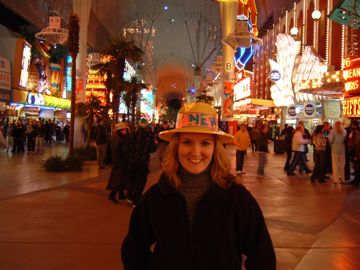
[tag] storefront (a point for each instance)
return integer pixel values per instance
(36, 105)
(5, 85)
(302, 90)
(249, 110)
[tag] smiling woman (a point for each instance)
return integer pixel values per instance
(196, 216)
(196, 151)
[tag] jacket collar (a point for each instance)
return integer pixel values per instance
(215, 193)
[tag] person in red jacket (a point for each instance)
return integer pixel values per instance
(197, 216)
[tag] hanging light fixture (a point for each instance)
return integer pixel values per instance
(316, 15)
(243, 35)
(294, 30)
(53, 34)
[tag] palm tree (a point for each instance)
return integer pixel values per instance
(131, 97)
(121, 50)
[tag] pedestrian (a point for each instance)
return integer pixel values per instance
(39, 139)
(242, 142)
(197, 216)
(298, 147)
(118, 181)
(328, 162)
(31, 136)
(262, 148)
(101, 140)
(10, 136)
(356, 159)
(337, 143)
(350, 149)
(142, 144)
(2, 138)
(288, 134)
(254, 135)
(319, 143)
(307, 136)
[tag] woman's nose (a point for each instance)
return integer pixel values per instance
(196, 148)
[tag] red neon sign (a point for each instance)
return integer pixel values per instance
(351, 75)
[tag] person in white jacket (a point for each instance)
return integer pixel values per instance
(337, 142)
(298, 147)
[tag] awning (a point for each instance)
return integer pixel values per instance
(330, 90)
(263, 102)
(254, 101)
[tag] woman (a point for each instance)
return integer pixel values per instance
(119, 146)
(337, 143)
(196, 216)
(319, 142)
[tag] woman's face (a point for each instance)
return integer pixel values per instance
(196, 151)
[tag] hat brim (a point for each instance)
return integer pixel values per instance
(167, 135)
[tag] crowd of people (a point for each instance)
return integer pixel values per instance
(130, 156)
(336, 152)
(30, 135)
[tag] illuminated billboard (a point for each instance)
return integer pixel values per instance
(351, 75)
(242, 89)
(25, 63)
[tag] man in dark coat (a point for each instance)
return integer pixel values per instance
(101, 139)
(118, 181)
(142, 144)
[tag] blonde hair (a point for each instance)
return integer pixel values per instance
(338, 127)
(219, 165)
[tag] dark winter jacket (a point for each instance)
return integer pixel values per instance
(227, 223)
(142, 144)
(101, 135)
(120, 149)
(263, 142)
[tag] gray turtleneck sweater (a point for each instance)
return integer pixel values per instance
(193, 187)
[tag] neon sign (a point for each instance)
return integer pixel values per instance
(351, 75)
(244, 53)
(351, 107)
(243, 56)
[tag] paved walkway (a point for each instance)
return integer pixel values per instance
(64, 220)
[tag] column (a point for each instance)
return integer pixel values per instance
(82, 9)
(228, 12)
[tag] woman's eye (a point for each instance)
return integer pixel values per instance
(205, 143)
(186, 142)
